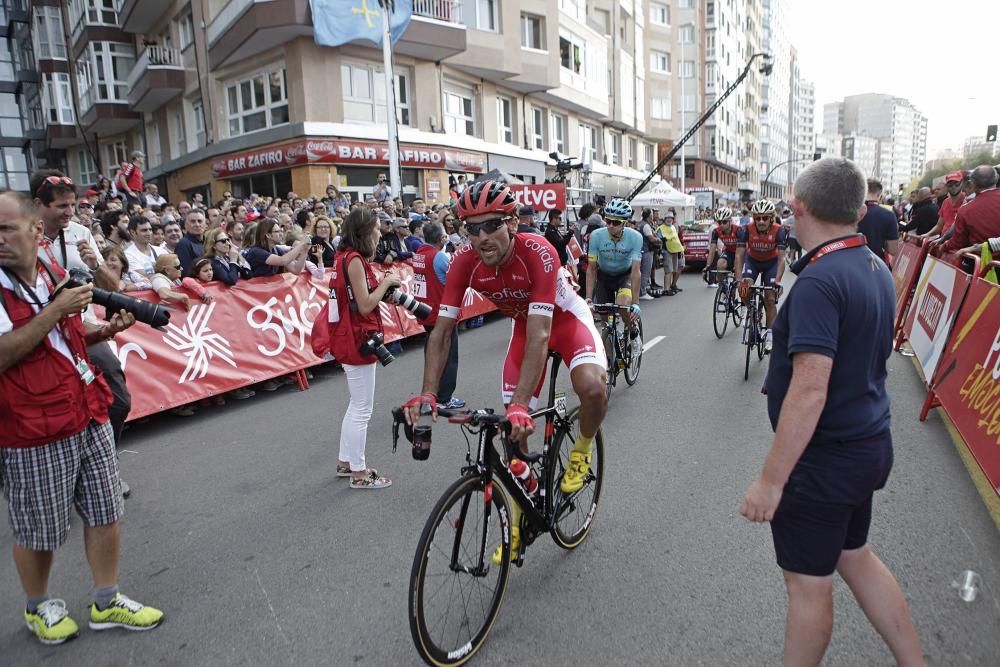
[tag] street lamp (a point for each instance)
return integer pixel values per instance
(763, 187)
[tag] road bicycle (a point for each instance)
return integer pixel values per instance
(753, 325)
(455, 589)
(618, 341)
(726, 305)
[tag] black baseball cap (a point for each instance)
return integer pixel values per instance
(525, 210)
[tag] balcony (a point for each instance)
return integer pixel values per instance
(140, 16)
(245, 28)
(157, 78)
(17, 12)
(435, 32)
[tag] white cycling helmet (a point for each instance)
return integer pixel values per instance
(618, 208)
(762, 207)
(723, 213)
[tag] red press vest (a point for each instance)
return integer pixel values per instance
(426, 285)
(763, 247)
(352, 328)
(42, 397)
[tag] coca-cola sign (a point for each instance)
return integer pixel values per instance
(345, 151)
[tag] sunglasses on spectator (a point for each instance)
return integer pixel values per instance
(488, 226)
(222, 240)
(176, 267)
(54, 180)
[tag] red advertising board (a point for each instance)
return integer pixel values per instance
(968, 380)
(905, 270)
(345, 151)
(541, 196)
(254, 331)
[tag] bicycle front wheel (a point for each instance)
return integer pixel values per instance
(611, 350)
(720, 310)
(760, 331)
(633, 361)
(736, 306)
(455, 589)
(748, 334)
(573, 514)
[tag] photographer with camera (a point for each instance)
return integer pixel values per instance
(57, 447)
(356, 339)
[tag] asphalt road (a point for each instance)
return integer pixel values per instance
(239, 531)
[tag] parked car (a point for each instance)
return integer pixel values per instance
(695, 236)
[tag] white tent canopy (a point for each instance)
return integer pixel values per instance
(661, 195)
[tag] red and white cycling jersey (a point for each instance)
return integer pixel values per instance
(530, 282)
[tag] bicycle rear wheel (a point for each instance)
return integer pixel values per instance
(573, 515)
(720, 308)
(633, 361)
(455, 590)
(736, 307)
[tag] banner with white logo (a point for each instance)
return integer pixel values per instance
(938, 295)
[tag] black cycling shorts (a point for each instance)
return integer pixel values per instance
(608, 284)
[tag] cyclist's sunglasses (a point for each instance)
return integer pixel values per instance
(614, 222)
(488, 226)
(765, 218)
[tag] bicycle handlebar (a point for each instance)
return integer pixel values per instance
(608, 307)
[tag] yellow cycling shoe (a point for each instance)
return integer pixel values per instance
(515, 545)
(51, 623)
(576, 472)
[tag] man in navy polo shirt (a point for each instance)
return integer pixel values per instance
(832, 445)
(880, 227)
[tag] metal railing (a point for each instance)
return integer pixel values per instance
(449, 11)
(154, 57)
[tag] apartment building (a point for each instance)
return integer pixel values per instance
(802, 105)
(22, 121)
(237, 96)
(775, 102)
(899, 127)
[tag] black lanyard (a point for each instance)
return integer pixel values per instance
(27, 290)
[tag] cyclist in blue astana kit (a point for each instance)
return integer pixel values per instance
(614, 255)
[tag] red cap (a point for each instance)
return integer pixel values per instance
(954, 176)
(252, 215)
(90, 193)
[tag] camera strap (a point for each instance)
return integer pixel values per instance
(25, 290)
(47, 246)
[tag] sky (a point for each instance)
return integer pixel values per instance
(926, 52)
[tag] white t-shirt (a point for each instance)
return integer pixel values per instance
(140, 262)
(42, 292)
(160, 281)
(63, 247)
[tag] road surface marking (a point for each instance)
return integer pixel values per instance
(651, 343)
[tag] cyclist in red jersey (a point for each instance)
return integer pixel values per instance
(521, 275)
(725, 234)
(760, 251)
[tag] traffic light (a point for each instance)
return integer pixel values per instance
(991, 133)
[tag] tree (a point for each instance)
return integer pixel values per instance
(963, 163)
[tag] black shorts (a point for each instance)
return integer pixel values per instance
(826, 506)
(608, 284)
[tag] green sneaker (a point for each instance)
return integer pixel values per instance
(123, 612)
(51, 623)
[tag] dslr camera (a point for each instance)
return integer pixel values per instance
(419, 309)
(153, 314)
(376, 345)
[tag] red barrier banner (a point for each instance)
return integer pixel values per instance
(936, 301)
(254, 331)
(541, 196)
(905, 270)
(968, 382)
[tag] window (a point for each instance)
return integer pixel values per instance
(115, 155)
(575, 8)
(559, 131)
(659, 62)
(505, 119)
(686, 70)
(588, 141)
(486, 15)
(538, 128)
(185, 27)
(633, 152)
(686, 34)
(659, 13)
(685, 4)
(258, 102)
(57, 98)
(659, 108)
(180, 140)
(616, 148)
(363, 87)
(14, 169)
(102, 74)
(572, 52)
(647, 151)
(153, 144)
(532, 32)
(10, 116)
(459, 107)
(690, 103)
(92, 12)
(49, 41)
(88, 172)
(198, 118)
(35, 114)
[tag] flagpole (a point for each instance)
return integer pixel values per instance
(390, 100)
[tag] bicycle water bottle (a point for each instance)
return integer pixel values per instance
(422, 435)
(525, 474)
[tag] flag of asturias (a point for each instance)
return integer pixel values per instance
(337, 22)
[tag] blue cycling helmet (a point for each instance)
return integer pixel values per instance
(618, 208)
